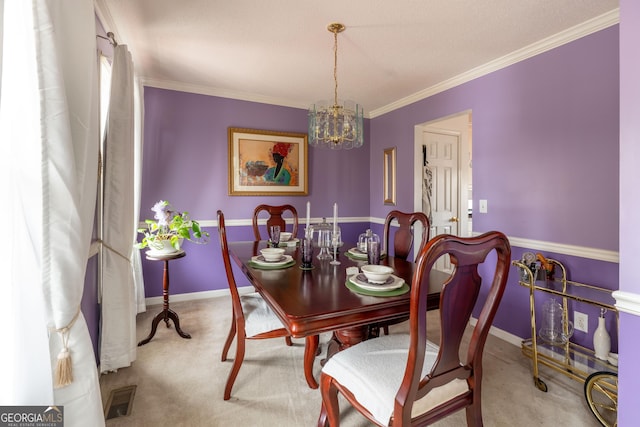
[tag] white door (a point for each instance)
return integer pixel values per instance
(446, 145)
(442, 161)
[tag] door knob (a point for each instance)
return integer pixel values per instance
(454, 219)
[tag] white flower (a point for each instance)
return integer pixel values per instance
(163, 214)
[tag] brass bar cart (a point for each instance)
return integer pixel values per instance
(600, 377)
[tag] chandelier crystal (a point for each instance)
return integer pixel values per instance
(336, 124)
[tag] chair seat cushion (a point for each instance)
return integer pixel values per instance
(258, 316)
(373, 370)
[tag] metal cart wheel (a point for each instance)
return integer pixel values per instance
(540, 384)
(601, 392)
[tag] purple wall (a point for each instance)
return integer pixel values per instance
(186, 154)
(545, 144)
(89, 304)
(185, 161)
(545, 156)
(629, 371)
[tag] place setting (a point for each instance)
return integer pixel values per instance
(287, 241)
(271, 259)
(368, 248)
(375, 280)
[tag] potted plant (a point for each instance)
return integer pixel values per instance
(167, 231)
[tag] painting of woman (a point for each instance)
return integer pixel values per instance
(278, 174)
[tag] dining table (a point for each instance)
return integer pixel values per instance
(321, 299)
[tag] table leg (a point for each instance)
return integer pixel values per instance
(176, 322)
(154, 326)
(310, 352)
(166, 314)
(345, 338)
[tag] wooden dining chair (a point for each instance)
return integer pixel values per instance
(403, 239)
(404, 379)
(252, 316)
(275, 218)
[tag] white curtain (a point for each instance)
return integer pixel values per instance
(48, 163)
(119, 308)
(136, 262)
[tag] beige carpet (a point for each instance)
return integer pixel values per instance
(180, 382)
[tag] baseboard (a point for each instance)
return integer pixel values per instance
(192, 296)
(499, 333)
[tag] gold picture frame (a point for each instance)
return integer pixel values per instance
(389, 176)
(267, 163)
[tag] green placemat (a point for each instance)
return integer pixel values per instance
(287, 244)
(271, 267)
(355, 258)
(392, 293)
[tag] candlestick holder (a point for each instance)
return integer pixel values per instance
(336, 242)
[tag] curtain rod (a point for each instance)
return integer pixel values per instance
(110, 37)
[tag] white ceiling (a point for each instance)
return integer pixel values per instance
(391, 53)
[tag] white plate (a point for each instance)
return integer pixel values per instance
(358, 253)
(289, 243)
(261, 261)
(361, 281)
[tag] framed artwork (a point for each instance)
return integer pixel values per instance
(389, 176)
(267, 163)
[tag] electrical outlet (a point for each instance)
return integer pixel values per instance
(581, 321)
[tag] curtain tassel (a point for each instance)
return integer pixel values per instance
(64, 366)
(64, 370)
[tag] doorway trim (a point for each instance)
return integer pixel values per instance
(460, 123)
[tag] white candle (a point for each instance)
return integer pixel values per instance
(335, 217)
(308, 213)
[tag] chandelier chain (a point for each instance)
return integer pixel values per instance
(335, 66)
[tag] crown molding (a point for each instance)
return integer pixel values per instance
(588, 27)
(222, 93)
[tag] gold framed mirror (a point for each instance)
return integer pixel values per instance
(389, 176)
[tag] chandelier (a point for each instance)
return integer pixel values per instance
(336, 124)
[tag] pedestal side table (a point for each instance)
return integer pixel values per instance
(166, 312)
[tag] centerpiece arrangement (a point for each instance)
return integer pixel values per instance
(166, 233)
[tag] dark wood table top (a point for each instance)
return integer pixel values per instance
(313, 301)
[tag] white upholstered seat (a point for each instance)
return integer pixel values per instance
(373, 371)
(258, 316)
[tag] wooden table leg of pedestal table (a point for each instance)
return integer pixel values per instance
(166, 314)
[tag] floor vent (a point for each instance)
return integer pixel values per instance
(120, 402)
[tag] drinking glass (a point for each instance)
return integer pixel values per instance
(373, 252)
(307, 253)
(274, 235)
